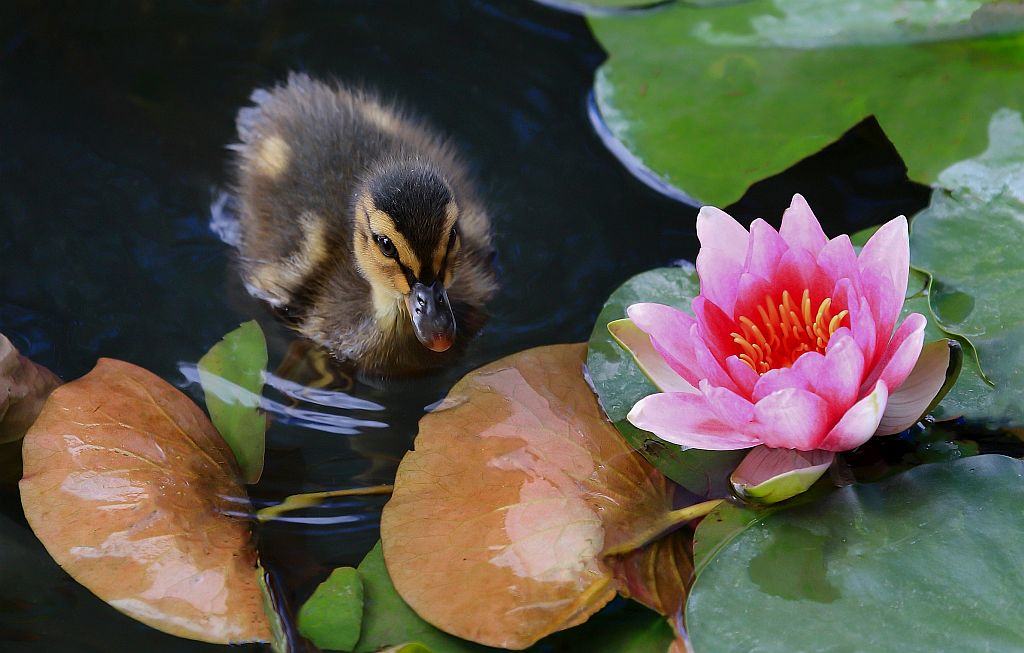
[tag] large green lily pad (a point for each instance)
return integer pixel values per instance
(714, 99)
(620, 383)
(964, 378)
(969, 241)
(929, 560)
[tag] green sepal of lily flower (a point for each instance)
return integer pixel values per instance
(638, 344)
(770, 475)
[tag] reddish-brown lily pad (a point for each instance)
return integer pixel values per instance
(517, 493)
(24, 387)
(136, 495)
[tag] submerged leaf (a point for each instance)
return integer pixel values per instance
(711, 100)
(134, 493)
(24, 387)
(658, 574)
(516, 491)
(620, 382)
(389, 621)
(928, 560)
(968, 240)
(332, 616)
(232, 377)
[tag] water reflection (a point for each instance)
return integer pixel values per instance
(301, 417)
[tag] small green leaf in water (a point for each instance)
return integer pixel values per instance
(332, 617)
(231, 374)
(413, 647)
(279, 639)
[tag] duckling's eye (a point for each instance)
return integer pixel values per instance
(387, 248)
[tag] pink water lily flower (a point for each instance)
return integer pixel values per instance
(792, 344)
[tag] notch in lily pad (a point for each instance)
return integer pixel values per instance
(231, 374)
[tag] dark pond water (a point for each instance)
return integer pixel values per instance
(113, 121)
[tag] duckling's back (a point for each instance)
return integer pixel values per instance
(304, 148)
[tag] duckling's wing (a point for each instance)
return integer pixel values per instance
(248, 118)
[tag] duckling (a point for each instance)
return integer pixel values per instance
(361, 226)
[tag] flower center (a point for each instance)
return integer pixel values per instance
(785, 330)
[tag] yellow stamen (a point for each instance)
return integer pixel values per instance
(791, 329)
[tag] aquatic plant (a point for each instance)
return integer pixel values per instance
(791, 344)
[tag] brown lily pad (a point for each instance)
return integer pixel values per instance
(135, 494)
(659, 574)
(24, 387)
(517, 492)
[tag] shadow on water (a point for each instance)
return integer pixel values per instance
(113, 124)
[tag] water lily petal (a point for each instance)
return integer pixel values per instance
(688, 420)
(742, 374)
(730, 407)
(710, 365)
(839, 375)
(887, 253)
(715, 327)
(908, 404)
(798, 271)
(792, 419)
(837, 260)
(885, 303)
(784, 378)
(859, 423)
(769, 475)
(860, 319)
(721, 257)
(669, 329)
(901, 355)
(800, 229)
(631, 338)
(764, 250)
(752, 293)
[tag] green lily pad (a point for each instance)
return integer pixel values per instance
(585, 6)
(968, 240)
(231, 374)
(965, 378)
(332, 616)
(613, 6)
(711, 100)
(928, 560)
(620, 383)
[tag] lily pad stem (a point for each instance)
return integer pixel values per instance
(667, 522)
(311, 499)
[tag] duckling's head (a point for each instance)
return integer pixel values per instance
(406, 241)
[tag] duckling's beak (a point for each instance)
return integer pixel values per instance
(432, 317)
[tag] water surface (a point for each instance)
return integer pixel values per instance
(113, 122)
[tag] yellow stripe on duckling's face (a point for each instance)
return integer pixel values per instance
(385, 273)
(441, 248)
